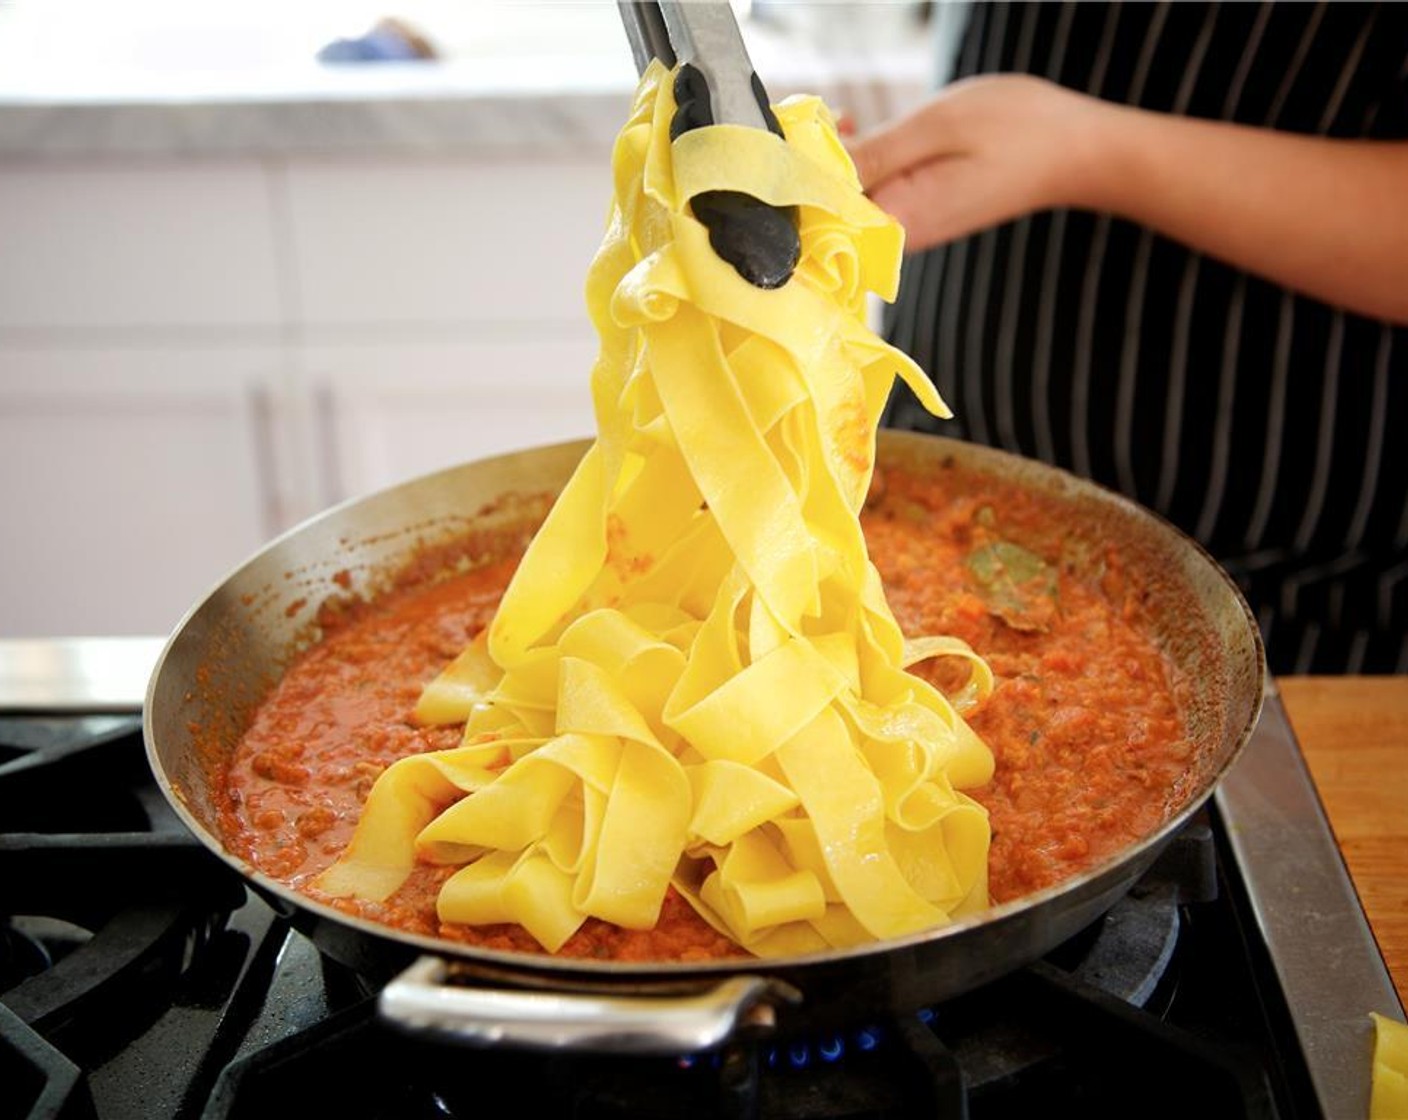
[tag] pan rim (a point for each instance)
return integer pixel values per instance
(528, 967)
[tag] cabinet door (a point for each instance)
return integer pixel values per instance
(143, 243)
(393, 411)
(131, 482)
(432, 243)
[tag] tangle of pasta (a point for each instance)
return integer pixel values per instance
(694, 679)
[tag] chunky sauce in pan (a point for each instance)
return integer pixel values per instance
(1091, 753)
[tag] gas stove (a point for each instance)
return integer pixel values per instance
(141, 977)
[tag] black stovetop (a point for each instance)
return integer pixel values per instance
(140, 977)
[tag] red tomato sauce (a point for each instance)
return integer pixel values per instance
(1091, 753)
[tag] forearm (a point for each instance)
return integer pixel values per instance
(1328, 218)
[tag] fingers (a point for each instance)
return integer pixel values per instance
(920, 201)
(983, 151)
(945, 199)
(923, 135)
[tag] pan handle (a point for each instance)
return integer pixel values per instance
(424, 999)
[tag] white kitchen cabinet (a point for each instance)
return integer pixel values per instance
(449, 240)
(229, 299)
(132, 480)
(137, 245)
(399, 409)
(195, 356)
(442, 307)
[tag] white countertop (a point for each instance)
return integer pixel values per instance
(506, 95)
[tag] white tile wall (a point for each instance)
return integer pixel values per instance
(137, 244)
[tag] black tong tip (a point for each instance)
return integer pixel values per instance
(760, 241)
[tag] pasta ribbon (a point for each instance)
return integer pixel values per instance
(693, 679)
(1388, 1091)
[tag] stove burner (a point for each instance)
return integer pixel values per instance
(40, 1083)
(22, 955)
(1006, 1049)
(59, 776)
(164, 988)
(110, 907)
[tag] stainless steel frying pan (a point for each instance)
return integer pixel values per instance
(230, 649)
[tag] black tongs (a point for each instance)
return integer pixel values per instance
(716, 84)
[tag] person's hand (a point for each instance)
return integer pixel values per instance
(1324, 217)
(983, 151)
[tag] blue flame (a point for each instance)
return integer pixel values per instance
(802, 1054)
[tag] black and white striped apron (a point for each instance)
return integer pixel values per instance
(1267, 425)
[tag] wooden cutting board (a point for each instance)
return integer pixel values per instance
(1354, 734)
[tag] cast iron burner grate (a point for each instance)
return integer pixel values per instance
(140, 978)
(1084, 1028)
(122, 940)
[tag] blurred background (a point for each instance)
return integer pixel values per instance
(257, 258)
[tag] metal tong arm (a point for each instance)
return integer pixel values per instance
(646, 31)
(715, 84)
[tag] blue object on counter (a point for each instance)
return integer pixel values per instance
(383, 43)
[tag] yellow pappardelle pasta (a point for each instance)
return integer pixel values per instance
(694, 678)
(1388, 1091)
